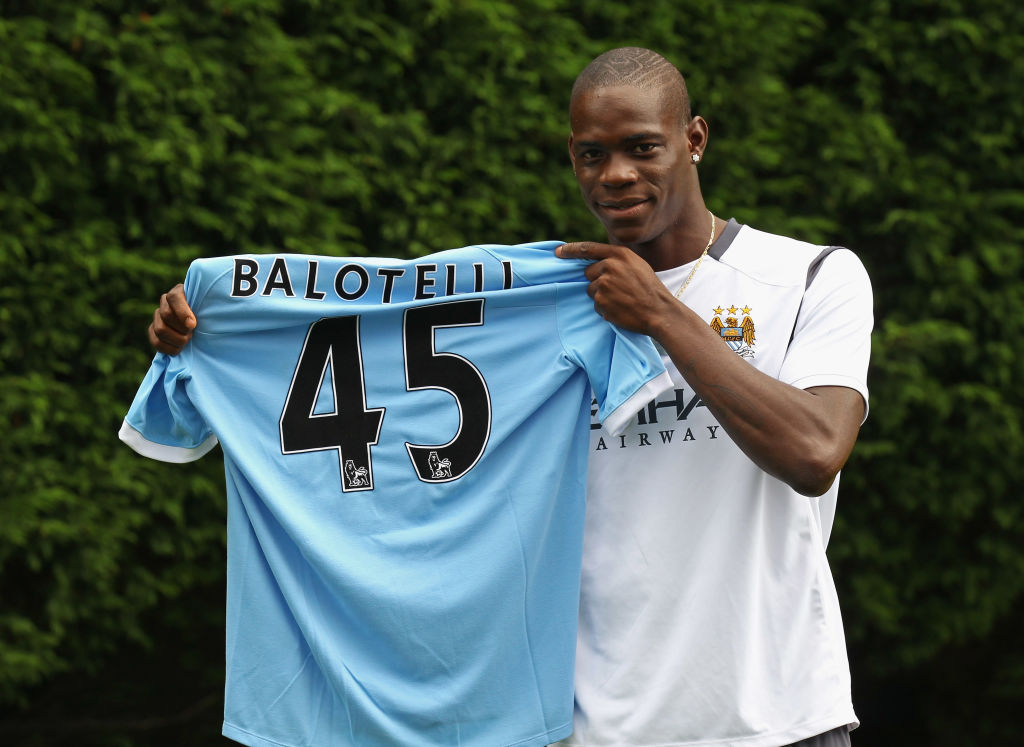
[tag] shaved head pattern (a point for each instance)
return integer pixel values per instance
(637, 67)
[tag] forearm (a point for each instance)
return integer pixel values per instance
(801, 437)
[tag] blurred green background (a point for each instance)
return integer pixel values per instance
(136, 136)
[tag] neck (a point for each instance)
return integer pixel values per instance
(684, 242)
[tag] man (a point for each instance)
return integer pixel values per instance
(708, 613)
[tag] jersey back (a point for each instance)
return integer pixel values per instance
(405, 446)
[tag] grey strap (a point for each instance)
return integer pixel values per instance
(812, 272)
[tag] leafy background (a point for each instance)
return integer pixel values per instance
(136, 136)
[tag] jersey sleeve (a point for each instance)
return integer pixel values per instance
(625, 370)
(831, 343)
(163, 422)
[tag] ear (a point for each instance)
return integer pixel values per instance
(697, 135)
(572, 156)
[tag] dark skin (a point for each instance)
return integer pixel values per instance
(173, 322)
(632, 158)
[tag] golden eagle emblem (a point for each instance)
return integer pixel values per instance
(736, 334)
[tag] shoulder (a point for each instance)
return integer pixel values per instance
(203, 274)
(780, 260)
(535, 263)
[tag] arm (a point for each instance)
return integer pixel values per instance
(802, 437)
(173, 322)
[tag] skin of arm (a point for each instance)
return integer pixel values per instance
(800, 436)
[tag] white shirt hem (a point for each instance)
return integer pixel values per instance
(845, 717)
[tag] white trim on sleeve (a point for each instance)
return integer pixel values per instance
(163, 452)
(619, 418)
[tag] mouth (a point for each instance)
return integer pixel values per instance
(626, 207)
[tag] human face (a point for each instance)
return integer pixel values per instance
(631, 155)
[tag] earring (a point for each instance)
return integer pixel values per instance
(695, 158)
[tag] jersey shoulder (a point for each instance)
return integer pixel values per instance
(203, 275)
(535, 263)
(778, 260)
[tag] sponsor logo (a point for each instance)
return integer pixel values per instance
(657, 424)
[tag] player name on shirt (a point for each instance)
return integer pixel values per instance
(352, 282)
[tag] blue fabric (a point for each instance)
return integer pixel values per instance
(370, 602)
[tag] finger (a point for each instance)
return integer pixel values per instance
(171, 315)
(161, 334)
(168, 349)
(165, 320)
(160, 345)
(584, 250)
(175, 310)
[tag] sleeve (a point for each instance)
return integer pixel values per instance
(625, 370)
(831, 344)
(163, 422)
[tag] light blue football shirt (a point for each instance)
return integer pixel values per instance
(405, 447)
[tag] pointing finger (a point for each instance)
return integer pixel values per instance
(583, 250)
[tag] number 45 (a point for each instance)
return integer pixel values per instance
(351, 429)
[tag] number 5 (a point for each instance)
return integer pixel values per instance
(425, 368)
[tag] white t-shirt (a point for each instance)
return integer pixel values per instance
(709, 615)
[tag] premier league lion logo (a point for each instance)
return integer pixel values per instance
(439, 468)
(355, 477)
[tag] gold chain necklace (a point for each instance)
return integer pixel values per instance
(699, 259)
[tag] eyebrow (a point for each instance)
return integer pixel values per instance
(642, 136)
(638, 137)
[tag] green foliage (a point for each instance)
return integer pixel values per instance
(135, 137)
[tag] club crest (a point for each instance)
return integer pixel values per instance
(738, 335)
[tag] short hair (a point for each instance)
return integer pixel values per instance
(637, 67)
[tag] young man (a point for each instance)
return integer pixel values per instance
(708, 613)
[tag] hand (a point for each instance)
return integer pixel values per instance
(173, 322)
(625, 290)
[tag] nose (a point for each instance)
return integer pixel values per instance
(618, 171)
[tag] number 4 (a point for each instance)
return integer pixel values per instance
(352, 429)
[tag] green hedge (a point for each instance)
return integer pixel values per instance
(135, 137)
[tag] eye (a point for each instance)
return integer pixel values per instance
(588, 156)
(644, 147)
